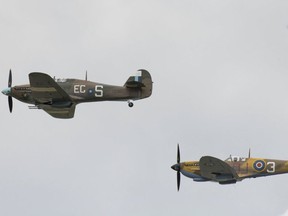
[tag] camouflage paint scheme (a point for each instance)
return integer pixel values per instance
(58, 97)
(231, 170)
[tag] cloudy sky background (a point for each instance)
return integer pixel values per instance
(220, 87)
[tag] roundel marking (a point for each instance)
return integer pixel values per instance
(259, 165)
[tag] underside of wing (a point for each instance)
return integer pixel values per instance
(45, 89)
(59, 112)
(217, 170)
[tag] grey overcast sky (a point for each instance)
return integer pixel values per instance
(220, 72)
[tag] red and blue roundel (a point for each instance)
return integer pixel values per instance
(259, 165)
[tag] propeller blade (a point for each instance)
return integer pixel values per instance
(178, 154)
(178, 168)
(10, 79)
(178, 180)
(10, 102)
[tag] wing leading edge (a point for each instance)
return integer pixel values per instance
(217, 170)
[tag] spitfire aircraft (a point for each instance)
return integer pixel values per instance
(230, 171)
(59, 97)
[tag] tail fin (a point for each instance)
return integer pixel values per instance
(142, 80)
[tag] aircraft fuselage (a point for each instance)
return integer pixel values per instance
(59, 97)
(244, 167)
(82, 91)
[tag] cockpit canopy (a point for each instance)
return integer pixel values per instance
(236, 159)
(60, 80)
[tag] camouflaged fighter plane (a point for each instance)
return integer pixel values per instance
(230, 171)
(59, 97)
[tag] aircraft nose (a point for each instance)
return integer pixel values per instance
(6, 91)
(176, 167)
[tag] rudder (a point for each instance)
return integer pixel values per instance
(142, 79)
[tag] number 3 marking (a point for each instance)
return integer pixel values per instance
(271, 168)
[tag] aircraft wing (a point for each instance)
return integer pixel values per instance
(50, 97)
(217, 170)
(45, 89)
(59, 112)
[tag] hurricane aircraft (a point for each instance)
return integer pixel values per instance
(59, 97)
(229, 171)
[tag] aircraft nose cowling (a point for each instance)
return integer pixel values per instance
(176, 167)
(6, 91)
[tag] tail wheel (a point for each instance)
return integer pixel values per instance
(130, 104)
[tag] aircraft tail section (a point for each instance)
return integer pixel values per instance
(141, 80)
